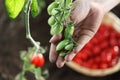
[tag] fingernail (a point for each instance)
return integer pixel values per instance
(50, 41)
(60, 65)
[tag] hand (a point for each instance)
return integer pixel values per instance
(87, 16)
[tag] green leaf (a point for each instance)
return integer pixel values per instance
(26, 64)
(56, 29)
(35, 8)
(45, 73)
(31, 67)
(14, 7)
(20, 77)
(23, 55)
(38, 73)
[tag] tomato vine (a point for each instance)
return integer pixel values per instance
(60, 23)
(14, 8)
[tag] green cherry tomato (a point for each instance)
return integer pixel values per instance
(52, 6)
(69, 46)
(54, 12)
(62, 54)
(51, 21)
(71, 29)
(56, 29)
(61, 45)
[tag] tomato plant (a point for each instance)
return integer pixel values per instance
(59, 12)
(33, 59)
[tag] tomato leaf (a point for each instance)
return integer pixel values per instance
(23, 55)
(20, 77)
(38, 73)
(14, 7)
(35, 9)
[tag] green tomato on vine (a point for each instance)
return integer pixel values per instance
(34, 64)
(59, 12)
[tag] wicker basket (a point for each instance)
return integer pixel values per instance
(109, 19)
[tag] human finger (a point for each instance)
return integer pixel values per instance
(55, 38)
(53, 53)
(60, 62)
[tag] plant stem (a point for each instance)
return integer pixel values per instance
(27, 24)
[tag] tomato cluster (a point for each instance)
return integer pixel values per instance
(60, 10)
(102, 51)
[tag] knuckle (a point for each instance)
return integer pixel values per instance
(97, 9)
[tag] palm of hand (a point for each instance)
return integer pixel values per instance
(87, 17)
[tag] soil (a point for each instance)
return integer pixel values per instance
(12, 40)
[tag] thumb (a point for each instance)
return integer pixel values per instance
(79, 10)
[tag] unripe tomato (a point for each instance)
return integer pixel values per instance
(51, 21)
(51, 7)
(38, 60)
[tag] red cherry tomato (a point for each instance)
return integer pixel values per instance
(94, 66)
(113, 62)
(103, 65)
(84, 56)
(38, 60)
(97, 59)
(96, 50)
(115, 51)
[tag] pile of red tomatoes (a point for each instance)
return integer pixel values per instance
(102, 51)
